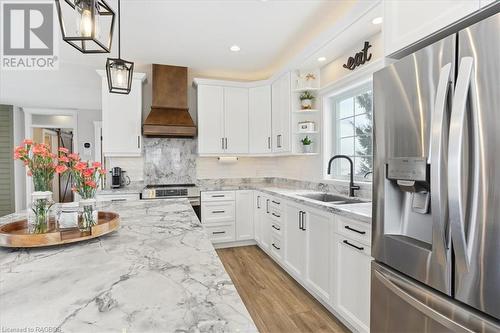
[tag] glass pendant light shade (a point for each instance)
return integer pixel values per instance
(120, 73)
(90, 24)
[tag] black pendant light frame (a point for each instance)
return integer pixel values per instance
(119, 62)
(80, 42)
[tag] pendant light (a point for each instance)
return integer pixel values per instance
(86, 21)
(119, 71)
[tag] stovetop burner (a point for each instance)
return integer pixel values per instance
(169, 185)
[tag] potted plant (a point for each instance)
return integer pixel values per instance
(306, 145)
(306, 99)
(86, 178)
(42, 164)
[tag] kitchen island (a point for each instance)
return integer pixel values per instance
(157, 273)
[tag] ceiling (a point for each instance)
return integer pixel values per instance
(198, 34)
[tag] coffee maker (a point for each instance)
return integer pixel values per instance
(118, 178)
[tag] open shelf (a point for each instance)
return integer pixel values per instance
(299, 90)
(306, 111)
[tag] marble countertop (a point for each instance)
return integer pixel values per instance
(359, 211)
(157, 273)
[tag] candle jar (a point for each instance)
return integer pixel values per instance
(87, 215)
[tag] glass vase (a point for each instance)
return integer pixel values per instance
(87, 215)
(38, 217)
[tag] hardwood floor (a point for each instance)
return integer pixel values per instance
(275, 301)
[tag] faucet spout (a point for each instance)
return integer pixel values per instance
(352, 187)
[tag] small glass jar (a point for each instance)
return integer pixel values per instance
(87, 215)
(39, 212)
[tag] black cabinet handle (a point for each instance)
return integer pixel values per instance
(218, 195)
(352, 245)
(258, 202)
(225, 140)
(275, 227)
(218, 211)
(218, 232)
(276, 215)
(359, 232)
(300, 220)
(268, 142)
(276, 202)
(267, 206)
(222, 139)
(277, 248)
(138, 141)
(117, 200)
(303, 221)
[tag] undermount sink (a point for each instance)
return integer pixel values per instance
(330, 198)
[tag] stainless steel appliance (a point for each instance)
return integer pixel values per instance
(118, 178)
(436, 231)
(175, 191)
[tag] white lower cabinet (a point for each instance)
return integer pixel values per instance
(318, 254)
(265, 224)
(244, 215)
(295, 240)
(351, 281)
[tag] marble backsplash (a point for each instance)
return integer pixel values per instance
(169, 161)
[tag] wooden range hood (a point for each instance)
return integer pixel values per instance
(169, 116)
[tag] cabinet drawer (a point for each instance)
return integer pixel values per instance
(275, 204)
(354, 245)
(217, 196)
(220, 233)
(276, 227)
(358, 231)
(276, 248)
(117, 197)
(216, 212)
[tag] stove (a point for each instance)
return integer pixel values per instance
(174, 191)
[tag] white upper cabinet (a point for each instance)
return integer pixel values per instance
(281, 103)
(122, 119)
(259, 128)
(210, 119)
(236, 120)
(406, 22)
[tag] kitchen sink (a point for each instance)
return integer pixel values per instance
(330, 198)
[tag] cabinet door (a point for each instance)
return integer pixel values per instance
(352, 281)
(318, 228)
(210, 119)
(265, 224)
(236, 120)
(121, 121)
(259, 131)
(244, 215)
(281, 99)
(406, 22)
(295, 241)
(257, 204)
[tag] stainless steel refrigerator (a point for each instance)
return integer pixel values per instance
(436, 229)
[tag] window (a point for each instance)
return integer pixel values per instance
(352, 132)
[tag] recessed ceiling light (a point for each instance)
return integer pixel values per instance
(377, 20)
(235, 48)
(321, 59)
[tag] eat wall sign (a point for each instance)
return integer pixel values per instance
(359, 58)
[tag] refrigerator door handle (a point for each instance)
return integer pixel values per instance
(457, 204)
(403, 291)
(437, 160)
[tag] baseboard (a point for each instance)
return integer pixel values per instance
(234, 244)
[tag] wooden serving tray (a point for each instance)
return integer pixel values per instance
(15, 234)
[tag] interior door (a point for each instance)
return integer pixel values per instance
(236, 120)
(473, 156)
(210, 119)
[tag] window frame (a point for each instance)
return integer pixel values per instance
(330, 138)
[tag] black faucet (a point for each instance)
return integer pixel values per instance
(352, 187)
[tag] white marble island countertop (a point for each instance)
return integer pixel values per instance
(157, 273)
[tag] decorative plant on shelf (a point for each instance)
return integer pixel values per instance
(86, 178)
(307, 144)
(42, 165)
(306, 99)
